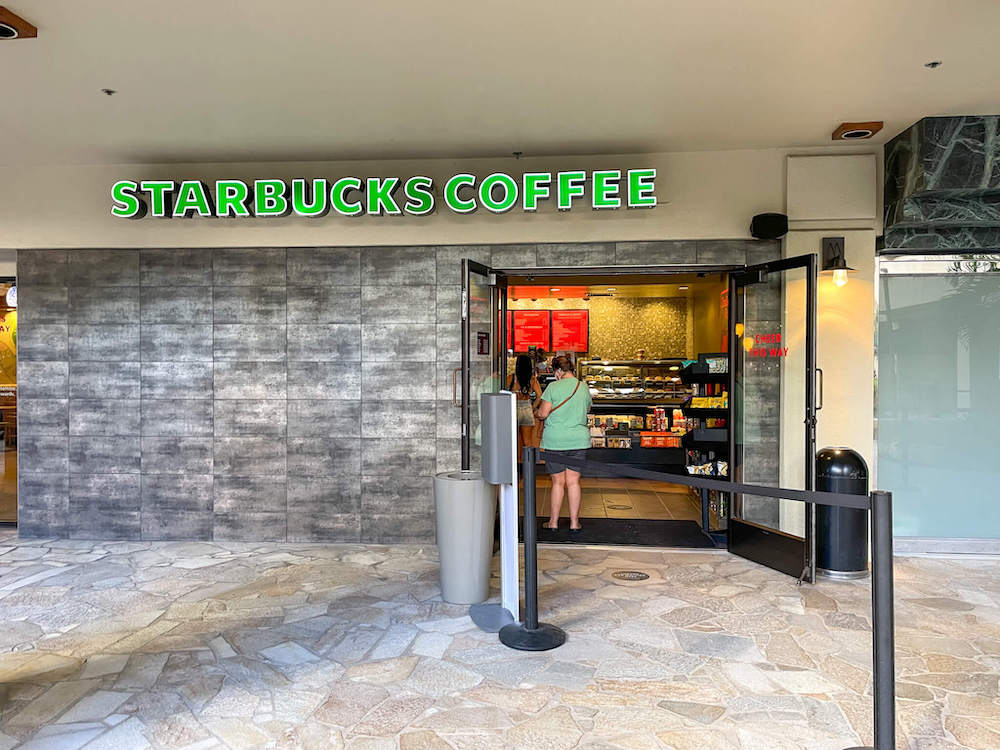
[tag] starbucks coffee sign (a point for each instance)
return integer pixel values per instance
(383, 196)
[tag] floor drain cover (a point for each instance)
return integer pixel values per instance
(630, 575)
(619, 507)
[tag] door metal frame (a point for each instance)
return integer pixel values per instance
(497, 282)
(772, 547)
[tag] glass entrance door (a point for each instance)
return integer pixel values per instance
(773, 345)
(481, 351)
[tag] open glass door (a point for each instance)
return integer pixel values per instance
(773, 345)
(481, 351)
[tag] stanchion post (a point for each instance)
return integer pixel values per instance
(883, 623)
(530, 540)
(531, 635)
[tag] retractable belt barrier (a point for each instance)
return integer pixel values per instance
(531, 635)
(837, 499)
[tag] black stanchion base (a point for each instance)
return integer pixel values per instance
(543, 638)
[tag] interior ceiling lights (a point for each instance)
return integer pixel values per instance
(12, 26)
(856, 131)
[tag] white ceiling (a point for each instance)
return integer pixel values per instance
(258, 80)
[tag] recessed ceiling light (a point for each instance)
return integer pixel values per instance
(933, 64)
(682, 288)
(553, 289)
(12, 26)
(855, 131)
(612, 289)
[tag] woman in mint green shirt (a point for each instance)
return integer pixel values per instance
(565, 405)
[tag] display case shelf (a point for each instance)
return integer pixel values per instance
(634, 382)
(690, 376)
(705, 413)
(709, 439)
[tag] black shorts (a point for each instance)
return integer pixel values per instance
(553, 465)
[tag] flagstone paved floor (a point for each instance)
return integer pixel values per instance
(122, 646)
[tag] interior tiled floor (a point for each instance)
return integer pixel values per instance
(624, 498)
(112, 646)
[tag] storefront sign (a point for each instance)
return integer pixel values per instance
(570, 330)
(382, 196)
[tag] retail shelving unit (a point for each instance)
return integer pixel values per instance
(705, 444)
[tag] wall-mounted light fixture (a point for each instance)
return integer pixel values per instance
(834, 260)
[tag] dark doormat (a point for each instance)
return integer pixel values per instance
(626, 531)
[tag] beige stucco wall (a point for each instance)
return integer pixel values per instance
(703, 195)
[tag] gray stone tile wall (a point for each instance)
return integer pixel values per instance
(256, 393)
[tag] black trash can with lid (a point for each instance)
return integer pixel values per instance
(841, 533)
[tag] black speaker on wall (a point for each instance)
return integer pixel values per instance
(768, 226)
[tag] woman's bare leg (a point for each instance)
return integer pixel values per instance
(524, 435)
(574, 492)
(556, 498)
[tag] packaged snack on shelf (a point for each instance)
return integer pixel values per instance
(701, 469)
(659, 440)
(722, 468)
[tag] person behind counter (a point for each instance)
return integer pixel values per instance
(525, 387)
(564, 407)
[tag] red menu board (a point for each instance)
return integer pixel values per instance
(531, 328)
(570, 330)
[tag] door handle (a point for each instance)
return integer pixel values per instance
(454, 387)
(819, 388)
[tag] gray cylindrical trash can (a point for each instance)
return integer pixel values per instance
(841, 533)
(466, 506)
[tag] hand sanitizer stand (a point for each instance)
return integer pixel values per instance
(499, 459)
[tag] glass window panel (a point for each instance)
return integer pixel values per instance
(938, 405)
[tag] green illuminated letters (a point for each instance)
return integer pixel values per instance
(318, 206)
(379, 195)
(536, 186)
(508, 187)
(158, 191)
(640, 188)
(192, 195)
(604, 192)
(231, 198)
(451, 197)
(463, 193)
(569, 185)
(127, 205)
(419, 198)
(340, 204)
(269, 198)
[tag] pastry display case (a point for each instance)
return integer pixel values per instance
(634, 381)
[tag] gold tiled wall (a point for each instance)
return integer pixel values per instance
(620, 326)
